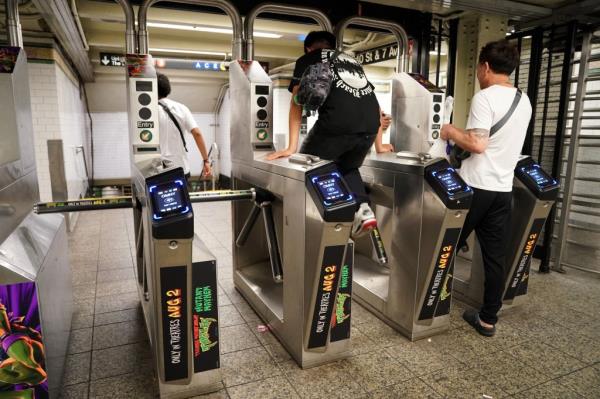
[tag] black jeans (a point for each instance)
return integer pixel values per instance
(490, 218)
(347, 151)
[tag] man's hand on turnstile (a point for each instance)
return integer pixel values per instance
(206, 169)
(280, 154)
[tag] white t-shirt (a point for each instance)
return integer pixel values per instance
(171, 146)
(493, 170)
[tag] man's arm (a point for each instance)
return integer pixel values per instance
(295, 120)
(206, 170)
(472, 140)
(384, 123)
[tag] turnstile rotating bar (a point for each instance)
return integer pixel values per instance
(95, 204)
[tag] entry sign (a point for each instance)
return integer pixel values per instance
(377, 54)
(112, 60)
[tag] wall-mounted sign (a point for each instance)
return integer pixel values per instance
(113, 60)
(378, 54)
(198, 65)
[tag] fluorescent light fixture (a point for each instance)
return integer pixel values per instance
(210, 29)
(183, 51)
(433, 52)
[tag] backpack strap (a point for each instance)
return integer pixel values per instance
(506, 117)
(174, 120)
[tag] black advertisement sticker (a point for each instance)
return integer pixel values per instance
(173, 285)
(440, 271)
(521, 272)
(205, 316)
(333, 257)
(443, 306)
(340, 322)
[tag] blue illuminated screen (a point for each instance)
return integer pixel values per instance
(331, 188)
(168, 198)
(541, 178)
(449, 180)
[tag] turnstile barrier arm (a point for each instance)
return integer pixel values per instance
(377, 242)
(84, 204)
(95, 204)
(248, 225)
(273, 244)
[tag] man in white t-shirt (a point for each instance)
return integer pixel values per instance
(175, 121)
(490, 169)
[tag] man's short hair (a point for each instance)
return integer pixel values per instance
(327, 39)
(164, 86)
(501, 56)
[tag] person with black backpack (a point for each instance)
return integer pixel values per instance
(488, 151)
(175, 121)
(335, 84)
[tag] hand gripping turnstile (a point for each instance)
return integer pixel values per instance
(534, 193)
(421, 205)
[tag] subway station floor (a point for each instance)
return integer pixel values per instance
(548, 348)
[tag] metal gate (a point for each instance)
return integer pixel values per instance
(564, 137)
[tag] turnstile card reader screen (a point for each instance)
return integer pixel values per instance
(449, 180)
(331, 194)
(261, 90)
(331, 188)
(448, 185)
(170, 205)
(544, 186)
(168, 199)
(143, 85)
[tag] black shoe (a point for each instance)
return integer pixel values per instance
(472, 317)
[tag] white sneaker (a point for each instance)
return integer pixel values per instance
(364, 220)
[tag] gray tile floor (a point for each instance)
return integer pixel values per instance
(548, 348)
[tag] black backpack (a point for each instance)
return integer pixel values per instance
(315, 84)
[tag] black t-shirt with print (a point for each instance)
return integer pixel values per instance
(351, 107)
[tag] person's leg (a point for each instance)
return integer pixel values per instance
(492, 235)
(480, 204)
(352, 159)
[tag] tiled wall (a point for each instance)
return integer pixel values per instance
(111, 144)
(58, 113)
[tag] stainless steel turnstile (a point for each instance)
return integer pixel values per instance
(307, 208)
(534, 193)
(421, 205)
(36, 300)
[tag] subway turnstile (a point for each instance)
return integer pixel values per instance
(36, 300)
(421, 205)
(534, 193)
(308, 212)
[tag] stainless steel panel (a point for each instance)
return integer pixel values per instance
(412, 221)
(37, 251)
(285, 307)
(18, 180)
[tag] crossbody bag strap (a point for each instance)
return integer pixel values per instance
(506, 117)
(172, 117)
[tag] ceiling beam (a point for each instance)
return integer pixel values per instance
(59, 18)
(581, 11)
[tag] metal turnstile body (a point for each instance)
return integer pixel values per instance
(36, 300)
(313, 230)
(420, 207)
(420, 204)
(176, 274)
(534, 193)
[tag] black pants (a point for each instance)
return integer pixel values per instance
(490, 218)
(347, 151)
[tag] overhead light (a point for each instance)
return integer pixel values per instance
(183, 51)
(433, 52)
(208, 29)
